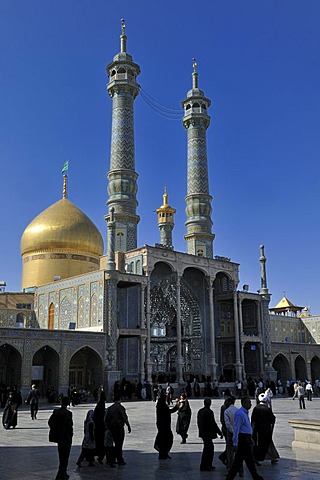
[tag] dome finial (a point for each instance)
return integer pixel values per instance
(194, 74)
(65, 185)
(123, 38)
(64, 170)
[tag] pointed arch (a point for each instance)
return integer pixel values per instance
(282, 367)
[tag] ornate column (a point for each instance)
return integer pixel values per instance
(111, 369)
(238, 365)
(143, 336)
(179, 363)
(26, 350)
(64, 361)
(148, 366)
(213, 363)
(240, 336)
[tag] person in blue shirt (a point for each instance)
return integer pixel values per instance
(242, 442)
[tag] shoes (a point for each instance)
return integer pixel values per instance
(120, 464)
(100, 461)
(257, 463)
(78, 463)
(276, 460)
(183, 441)
(112, 465)
(207, 469)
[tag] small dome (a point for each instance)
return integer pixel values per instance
(62, 226)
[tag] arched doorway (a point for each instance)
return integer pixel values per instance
(10, 365)
(229, 373)
(300, 368)
(282, 367)
(315, 369)
(86, 370)
(45, 370)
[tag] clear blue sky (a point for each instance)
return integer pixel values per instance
(259, 63)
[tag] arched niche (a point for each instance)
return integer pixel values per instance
(86, 369)
(45, 370)
(10, 365)
(282, 367)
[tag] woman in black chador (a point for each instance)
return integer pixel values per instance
(184, 417)
(10, 412)
(164, 438)
(99, 425)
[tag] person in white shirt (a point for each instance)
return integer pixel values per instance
(309, 391)
(229, 423)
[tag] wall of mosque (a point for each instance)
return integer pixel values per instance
(75, 303)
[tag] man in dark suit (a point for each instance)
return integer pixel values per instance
(208, 429)
(61, 432)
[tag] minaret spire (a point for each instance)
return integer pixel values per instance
(196, 120)
(264, 287)
(123, 38)
(166, 221)
(194, 74)
(122, 189)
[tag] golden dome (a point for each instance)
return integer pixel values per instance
(62, 226)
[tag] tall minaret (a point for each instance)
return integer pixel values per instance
(122, 188)
(265, 317)
(199, 237)
(166, 221)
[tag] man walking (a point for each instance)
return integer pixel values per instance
(115, 420)
(229, 422)
(300, 394)
(33, 400)
(208, 429)
(242, 442)
(61, 432)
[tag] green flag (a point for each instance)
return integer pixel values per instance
(65, 167)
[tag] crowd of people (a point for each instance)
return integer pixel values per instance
(246, 440)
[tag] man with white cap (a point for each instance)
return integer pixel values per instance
(262, 421)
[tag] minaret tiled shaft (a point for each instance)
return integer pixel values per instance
(199, 236)
(122, 188)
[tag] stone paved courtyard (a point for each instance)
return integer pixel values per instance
(26, 453)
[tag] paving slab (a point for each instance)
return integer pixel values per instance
(26, 453)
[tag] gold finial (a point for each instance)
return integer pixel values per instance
(123, 26)
(194, 64)
(165, 196)
(65, 183)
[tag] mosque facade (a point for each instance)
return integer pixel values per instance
(138, 312)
